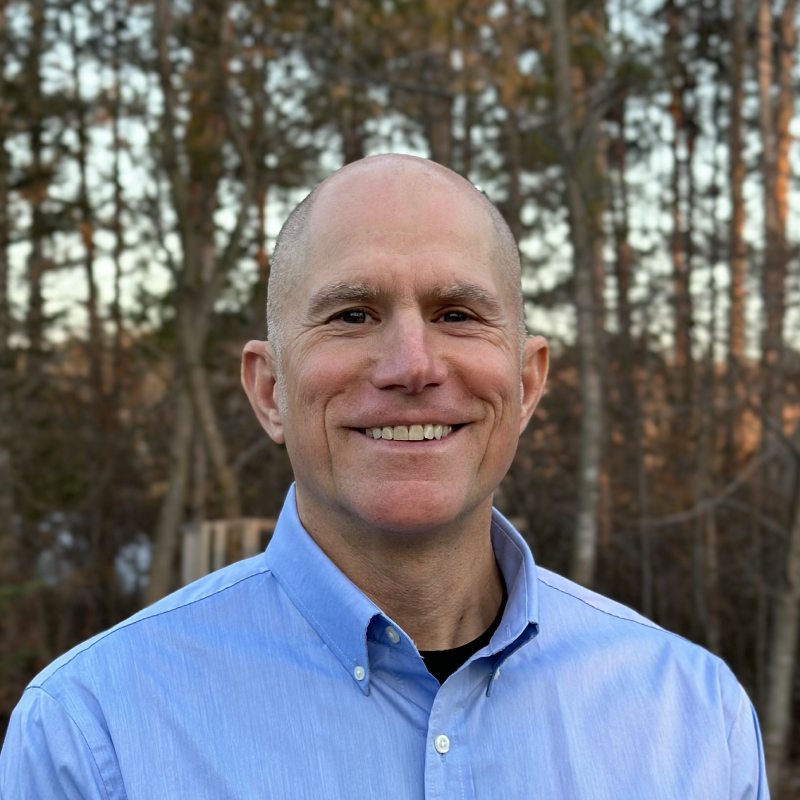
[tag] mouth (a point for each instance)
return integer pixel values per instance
(411, 433)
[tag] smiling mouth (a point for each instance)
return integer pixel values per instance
(412, 433)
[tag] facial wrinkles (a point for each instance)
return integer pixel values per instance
(362, 293)
(333, 246)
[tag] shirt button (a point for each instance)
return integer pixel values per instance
(359, 673)
(496, 675)
(393, 635)
(442, 744)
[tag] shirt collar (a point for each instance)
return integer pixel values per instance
(341, 613)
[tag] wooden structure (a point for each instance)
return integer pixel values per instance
(214, 544)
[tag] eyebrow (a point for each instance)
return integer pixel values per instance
(338, 294)
(467, 294)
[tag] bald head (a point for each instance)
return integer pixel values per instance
(310, 228)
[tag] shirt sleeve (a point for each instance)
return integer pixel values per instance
(45, 754)
(748, 774)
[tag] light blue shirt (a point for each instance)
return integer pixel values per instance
(278, 678)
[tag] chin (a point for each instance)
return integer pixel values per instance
(410, 506)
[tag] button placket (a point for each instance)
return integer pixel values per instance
(448, 769)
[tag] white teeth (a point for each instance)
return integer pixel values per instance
(414, 433)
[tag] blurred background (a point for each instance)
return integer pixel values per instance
(644, 155)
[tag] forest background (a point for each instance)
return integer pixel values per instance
(644, 155)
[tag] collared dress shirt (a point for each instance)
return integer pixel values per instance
(278, 678)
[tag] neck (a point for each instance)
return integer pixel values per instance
(442, 587)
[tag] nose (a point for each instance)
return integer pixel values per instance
(407, 361)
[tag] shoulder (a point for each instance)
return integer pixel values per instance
(613, 639)
(190, 615)
(560, 595)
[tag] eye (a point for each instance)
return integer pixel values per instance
(354, 316)
(454, 316)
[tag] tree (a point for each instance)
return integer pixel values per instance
(578, 160)
(6, 356)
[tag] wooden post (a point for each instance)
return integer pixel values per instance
(220, 536)
(215, 544)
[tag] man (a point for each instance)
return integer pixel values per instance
(396, 639)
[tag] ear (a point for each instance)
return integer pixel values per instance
(535, 360)
(260, 381)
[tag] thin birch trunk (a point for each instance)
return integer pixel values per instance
(579, 188)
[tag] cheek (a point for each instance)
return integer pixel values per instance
(312, 385)
(495, 382)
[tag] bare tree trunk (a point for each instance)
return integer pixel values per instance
(36, 259)
(437, 101)
(99, 557)
(117, 225)
(737, 252)
(770, 349)
(6, 372)
(466, 142)
(643, 488)
(787, 53)
(622, 248)
(709, 556)
(774, 268)
(681, 257)
(512, 206)
(713, 632)
(580, 188)
(194, 196)
(166, 537)
(351, 124)
(782, 657)
(199, 464)
(202, 404)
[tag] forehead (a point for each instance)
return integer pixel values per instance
(395, 225)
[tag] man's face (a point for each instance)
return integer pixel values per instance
(399, 322)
